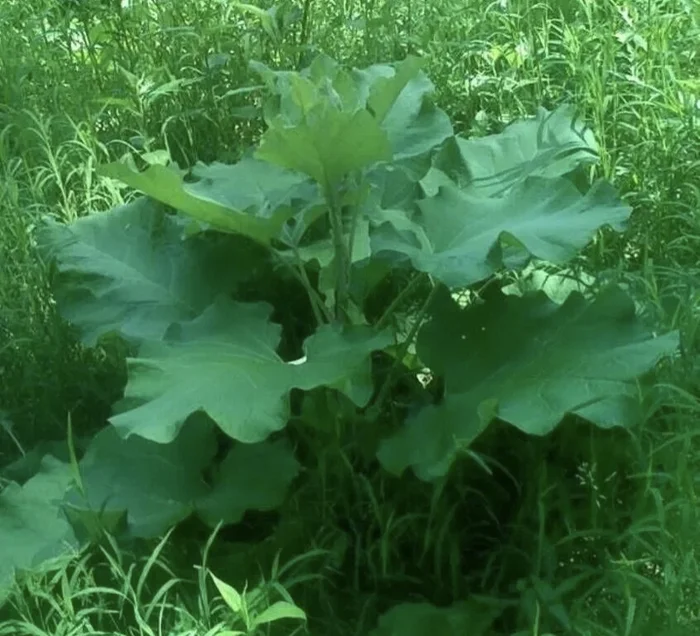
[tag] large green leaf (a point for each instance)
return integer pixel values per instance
(251, 197)
(548, 218)
(233, 491)
(129, 270)
(259, 189)
(423, 619)
(529, 362)
(32, 530)
(386, 88)
(415, 127)
(155, 485)
(339, 358)
(225, 363)
(164, 483)
(549, 145)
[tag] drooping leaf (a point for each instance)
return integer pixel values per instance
(251, 476)
(251, 197)
(549, 145)
(402, 229)
(164, 483)
(394, 186)
(527, 361)
(129, 270)
(258, 188)
(32, 529)
(225, 363)
(154, 485)
(549, 218)
(433, 180)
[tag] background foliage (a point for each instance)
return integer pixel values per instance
(585, 531)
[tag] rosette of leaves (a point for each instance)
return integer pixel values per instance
(358, 178)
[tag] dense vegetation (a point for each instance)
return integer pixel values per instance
(349, 318)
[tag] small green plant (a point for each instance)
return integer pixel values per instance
(361, 246)
(253, 609)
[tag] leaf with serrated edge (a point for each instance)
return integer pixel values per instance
(32, 531)
(225, 363)
(535, 360)
(549, 145)
(549, 218)
(128, 270)
(164, 483)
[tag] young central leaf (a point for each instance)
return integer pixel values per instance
(225, 363)
(328, 122)
(328, 145)
(527, 360)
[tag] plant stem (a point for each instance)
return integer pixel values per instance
(405, 292)
(321, 312)
(317, 304)
(376, 408)
(341, 256)
(304, 32)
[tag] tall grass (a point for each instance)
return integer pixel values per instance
(604, 535)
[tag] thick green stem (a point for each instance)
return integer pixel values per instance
(340, 249)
